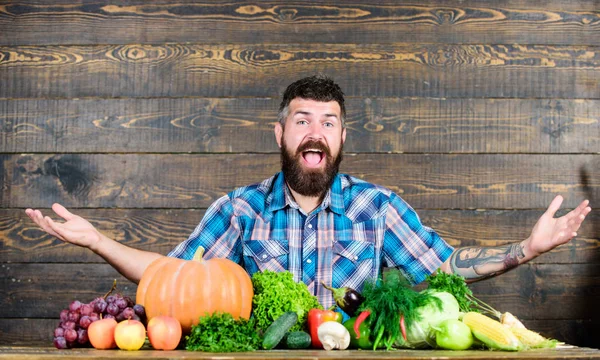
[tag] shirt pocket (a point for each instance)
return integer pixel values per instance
(352, 263)
(261, 255)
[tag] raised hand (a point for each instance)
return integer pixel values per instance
(75, 229)
(550, 232)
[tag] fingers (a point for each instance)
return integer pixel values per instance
(42, 222)
(554, 205)
(62, 211)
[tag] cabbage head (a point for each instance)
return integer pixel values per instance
(420, 334)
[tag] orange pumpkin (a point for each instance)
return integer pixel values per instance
(188, 289)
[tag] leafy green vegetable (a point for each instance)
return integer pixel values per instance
(276, 293)
(421, 332)
(220, 332)
(455, 285)
(388, 300)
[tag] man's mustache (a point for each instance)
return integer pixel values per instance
(314, 145)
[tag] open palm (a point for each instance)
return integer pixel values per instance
(75, 229)
(550, 232)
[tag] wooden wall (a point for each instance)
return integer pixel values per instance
(138, 115)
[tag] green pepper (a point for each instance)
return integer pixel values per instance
(364, 338)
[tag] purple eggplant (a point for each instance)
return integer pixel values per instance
(346, 298)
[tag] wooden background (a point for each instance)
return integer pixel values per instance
(138, 115)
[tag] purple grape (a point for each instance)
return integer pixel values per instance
(94, 316)
(110, 299)
(108, 316)
(70, 335)
(64, 315)
(59, 332)
(135, 317)
(120, 317)
(74, 306)
(60, 342)
(113, 309)
(73, 316)
(139, 310)
(100, 305)
(85, 321)
(86, 309)
(82, 336)
(130, 302)
(128, 313)
(121, 303)
(69, 325)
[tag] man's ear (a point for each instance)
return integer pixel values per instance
(343, 135)
(278, 133)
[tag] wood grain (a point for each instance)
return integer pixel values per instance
(374, 125)
(531, 291)
(161, 230)
(437, 181)
(411, 70)
(524, 22)
(45, 352)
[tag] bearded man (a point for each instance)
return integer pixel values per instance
(321, 225)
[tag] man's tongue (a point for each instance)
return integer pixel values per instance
(312, 158)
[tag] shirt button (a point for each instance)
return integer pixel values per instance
(356, 258)
(310, 226)
(264, 256)
(308, 261)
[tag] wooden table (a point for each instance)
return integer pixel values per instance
(47, 353)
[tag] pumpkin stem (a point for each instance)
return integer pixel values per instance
(198, 254)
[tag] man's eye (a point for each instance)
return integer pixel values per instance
(328, 124)
(301, 122)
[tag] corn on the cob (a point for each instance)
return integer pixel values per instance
(491, 332)
(532, 339)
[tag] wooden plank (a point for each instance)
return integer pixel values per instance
(523, 22)
(161, 230)
(437, 181)
(390, 125)
(43, 290)
(411, 70)
(532, 291)
(49, 353)
(38, 332)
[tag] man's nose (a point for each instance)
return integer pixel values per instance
(315, 131)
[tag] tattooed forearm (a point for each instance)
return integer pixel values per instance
(474, 263)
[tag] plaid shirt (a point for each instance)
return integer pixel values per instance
(358, 229)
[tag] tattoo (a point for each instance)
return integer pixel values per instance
(476, 263)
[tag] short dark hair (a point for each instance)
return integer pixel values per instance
(316, 87)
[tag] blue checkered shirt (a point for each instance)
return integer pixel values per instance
(358, 229)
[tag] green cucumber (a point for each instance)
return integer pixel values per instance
(277, 330)
(297, 340)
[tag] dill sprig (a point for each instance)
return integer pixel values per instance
(389, 299)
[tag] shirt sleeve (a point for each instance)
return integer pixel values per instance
(218, 233)
(408, 245)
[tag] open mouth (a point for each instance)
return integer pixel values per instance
(313, 157)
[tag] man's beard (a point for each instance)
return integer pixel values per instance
(309, 182)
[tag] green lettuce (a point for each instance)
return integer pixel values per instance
(276, 293)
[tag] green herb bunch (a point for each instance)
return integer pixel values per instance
(455, 285)
(276, 293)
(220, 332)
(390, 298)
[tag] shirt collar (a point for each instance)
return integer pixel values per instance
(281, 196)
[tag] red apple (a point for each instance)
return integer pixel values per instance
(130, 335)
(102, 334)
(164, 332)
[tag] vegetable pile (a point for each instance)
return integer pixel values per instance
(388, 314)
